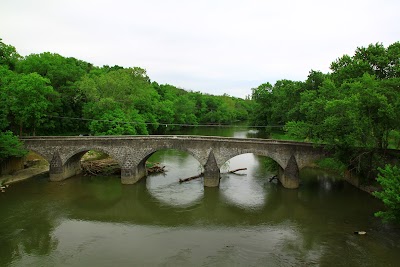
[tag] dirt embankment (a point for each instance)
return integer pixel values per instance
(32, 168)
(355, 180)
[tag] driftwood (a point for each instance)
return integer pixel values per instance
(100, 167)
(191, 178)
(273, 178)
(156, 169)
(360, 232)
(109, 167)
(201, 174)
(234, 171)
(3, 187)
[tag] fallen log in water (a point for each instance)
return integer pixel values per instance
(273, 178)
(190, 178)
(201, 174)
(234, 171)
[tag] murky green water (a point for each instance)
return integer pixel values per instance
(247, 221)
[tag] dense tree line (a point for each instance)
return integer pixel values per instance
(47, 94)
(357, 105)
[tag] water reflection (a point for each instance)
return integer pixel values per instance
(247, 221)
(237, 131)
(245, 189)
(166, 188)
(26, 227)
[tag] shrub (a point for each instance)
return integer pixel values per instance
(389, 178)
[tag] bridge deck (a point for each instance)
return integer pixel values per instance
(168, 137)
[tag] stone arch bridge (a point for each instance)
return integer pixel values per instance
(131, 152)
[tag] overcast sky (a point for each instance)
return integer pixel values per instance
(212, 46)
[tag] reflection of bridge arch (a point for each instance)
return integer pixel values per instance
(266, 154)
(151, 152)
(212, 152)
(165, 187)
(145, 209)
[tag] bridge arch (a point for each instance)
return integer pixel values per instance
(46, 156)
(152, 151)
(77, 154)
(265, 153)
(68, 164)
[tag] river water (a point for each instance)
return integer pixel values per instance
(247, 221)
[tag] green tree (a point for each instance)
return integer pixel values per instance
(278, 104)
(8, 55)
(10, 146)
(62, 73)
(389, 178)
(263, 99)
(130, 88)
(374, 60)
(30, 100)
(165, 112)
(297, 129)
(58, 69)
(185, 110)
(6, 78)
(286, 106)
(107, 117)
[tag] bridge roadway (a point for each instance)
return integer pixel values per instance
(131, 152)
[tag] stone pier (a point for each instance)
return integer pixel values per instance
(289, 177)
(211, 172)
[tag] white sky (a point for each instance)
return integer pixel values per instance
(212, 46)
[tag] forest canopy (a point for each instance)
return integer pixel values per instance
(48, 94)
(354, 109)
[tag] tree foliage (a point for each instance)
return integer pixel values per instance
(356, 105)
(10, 146)
(47, 93)
(30, 98)
(389, 178)
(8, 55)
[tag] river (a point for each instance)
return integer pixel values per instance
(247, 221)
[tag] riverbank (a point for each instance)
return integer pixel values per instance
(33, 165)
(24, 174)
(338, 168)
(355, 181)
(90, 167)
